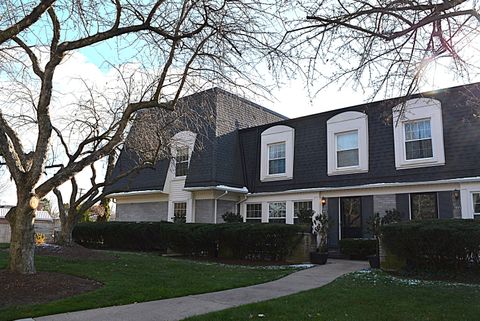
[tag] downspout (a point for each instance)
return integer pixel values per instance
(215, 207)
(240, 202)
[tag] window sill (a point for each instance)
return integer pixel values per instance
(419, 164)
(281, 177)
(347, 171)
(179, 178)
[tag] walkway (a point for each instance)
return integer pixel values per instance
(183, 307)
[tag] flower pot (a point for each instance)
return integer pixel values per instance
(318, 257)
(374, 261)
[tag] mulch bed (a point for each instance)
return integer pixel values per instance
(74, 252)
(17, 289)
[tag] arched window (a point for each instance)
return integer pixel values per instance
(347, 143)
(277, 147)
(418, 133)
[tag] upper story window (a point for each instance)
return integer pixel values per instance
(347, 149)
(276, 158)
(418, 139)
(181, 148)
(418, 134)
(277, 147)
(347, 143)
(181, 161)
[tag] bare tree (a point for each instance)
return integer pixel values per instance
(178, 46)
(385, 45)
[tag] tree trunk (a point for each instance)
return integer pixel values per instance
(22, 246)
(65, 237)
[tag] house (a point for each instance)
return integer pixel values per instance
(44, 224)
(418, 156)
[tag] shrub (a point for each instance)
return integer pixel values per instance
(435, 244)
(230, 217)
(238, 240)
(358, 249)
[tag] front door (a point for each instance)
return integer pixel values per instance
(351, 217)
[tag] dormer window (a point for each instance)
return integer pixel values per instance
(418, 139)
(347, 143)
(276, 155)
(418, 133)
(276, 158)
(347, 149)
(181, 161)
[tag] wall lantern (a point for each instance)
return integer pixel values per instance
(323, 201)
(456, 194)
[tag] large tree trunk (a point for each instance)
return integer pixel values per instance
(65, 237)
(22, 245)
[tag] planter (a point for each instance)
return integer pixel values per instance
(318, 258)
(374, 261)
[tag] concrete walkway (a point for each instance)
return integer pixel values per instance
(183, 307)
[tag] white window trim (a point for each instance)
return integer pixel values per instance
(246, 219)
(418, 109)
(273, 135)
(472, 206)
(346, 122)
(184, 139)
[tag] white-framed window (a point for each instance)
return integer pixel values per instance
(299, 206)
(254, 213)
(476, 204)
(347, 143)
(277, 212)
(418, 133)
(418, 139)
(180, 212)
(276, 158)
(276, 154)
(347, 149)
(181, 161)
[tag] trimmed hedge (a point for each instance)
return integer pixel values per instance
(435, 244)
(234, 240)
(358, 249)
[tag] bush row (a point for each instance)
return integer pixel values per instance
(234, 240)
(358, 249)
(435, 244)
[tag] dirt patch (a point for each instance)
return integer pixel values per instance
(17, 289)
(74, 252)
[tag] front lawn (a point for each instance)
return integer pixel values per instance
(138, 277)
(366, 296)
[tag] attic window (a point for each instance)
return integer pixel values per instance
(181, 161)
(276, 153)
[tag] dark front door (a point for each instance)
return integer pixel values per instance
(351, 217)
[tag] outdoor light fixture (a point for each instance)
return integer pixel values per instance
(323, 201)
(456, 194)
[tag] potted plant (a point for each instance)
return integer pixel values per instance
(376, 222)
(320, 230)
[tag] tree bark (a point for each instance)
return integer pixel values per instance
(65, 237)
(22, 246)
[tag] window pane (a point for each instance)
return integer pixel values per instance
(254, 211)
(424, 206)
(347, 158)
(419, 149)
(276, 166)
(276, 151)
(277, 210)
(181, 169)
(301, 206)
(181, 161)
(476, 202)
(180, 212)
(418, 130)
(346, 141)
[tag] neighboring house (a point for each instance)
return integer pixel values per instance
(350, 162)
(44, 223)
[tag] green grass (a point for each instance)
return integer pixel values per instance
(366, 296)
(137, 277)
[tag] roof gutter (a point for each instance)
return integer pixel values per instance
(224, 188)
(136, 193)
(376, 185)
